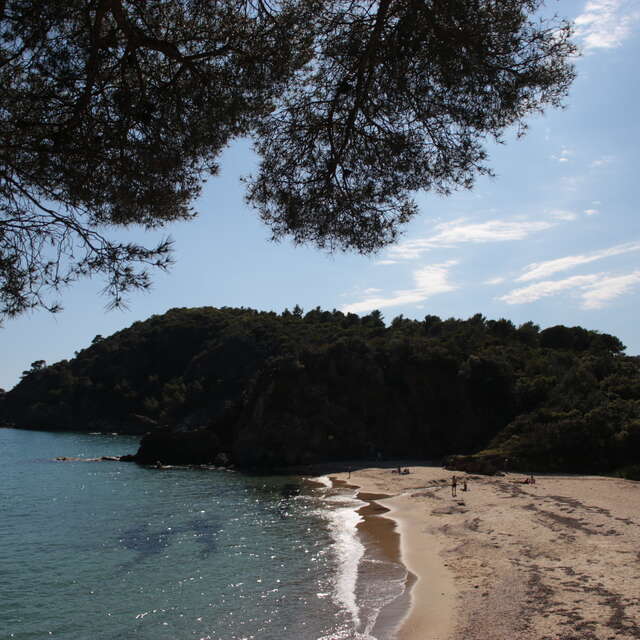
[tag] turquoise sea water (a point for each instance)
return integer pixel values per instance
(110, 550)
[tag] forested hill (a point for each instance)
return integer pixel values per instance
(269, 389)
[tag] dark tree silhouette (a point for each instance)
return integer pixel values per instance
(113, 112)
(401, 96)
(270, 389)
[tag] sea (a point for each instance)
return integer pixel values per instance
(114, 550)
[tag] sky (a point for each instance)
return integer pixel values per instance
(553, 238)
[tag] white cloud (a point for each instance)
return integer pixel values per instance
(602, 162)
(429, 281)
(452, 234)
(597, 295)
(371, 290)
(571, 183)
(547, 288)
(562, 214)
(595, 290)
(538, 270)
(605, 24)
(592, 212)
(498, 280)
(563, 156)
(385, 262)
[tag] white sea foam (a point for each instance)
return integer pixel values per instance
(348, 550)
(363, 584)
(347, 634)
(324, 480)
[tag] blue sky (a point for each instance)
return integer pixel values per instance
(553, 238)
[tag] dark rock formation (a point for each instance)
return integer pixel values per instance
(171, 447)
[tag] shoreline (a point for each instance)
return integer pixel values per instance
(379, 526)
(555, 560)
(380, 533)
(427, 579)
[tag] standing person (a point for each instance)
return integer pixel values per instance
(464, 485)
(454, 486)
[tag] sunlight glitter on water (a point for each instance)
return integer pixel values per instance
(114, 550)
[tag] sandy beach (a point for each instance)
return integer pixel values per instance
(554, 560)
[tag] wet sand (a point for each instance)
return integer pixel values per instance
(380, 534)
(557, 560)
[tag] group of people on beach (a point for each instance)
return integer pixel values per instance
(401, 471)
(454, 486)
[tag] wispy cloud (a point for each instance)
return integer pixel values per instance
(493, 281)
(563, 214)
(386, 262)
(563, 156)
(596, 296)
(547, 288)
(594, 290)
(537, 270)
(571, 183)
(602, 162)
(595, 209)
(429, 281)
(451, 234)
(605, 24)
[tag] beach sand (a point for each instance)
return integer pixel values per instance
(555, 560)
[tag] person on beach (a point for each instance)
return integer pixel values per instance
(454, 486)
(464, 485)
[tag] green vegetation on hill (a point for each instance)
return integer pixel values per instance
(268, 389)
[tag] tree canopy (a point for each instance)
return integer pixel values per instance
(296, 387)
(114, 112)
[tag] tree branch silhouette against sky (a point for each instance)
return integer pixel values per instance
(551, 238)
(114, 113)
